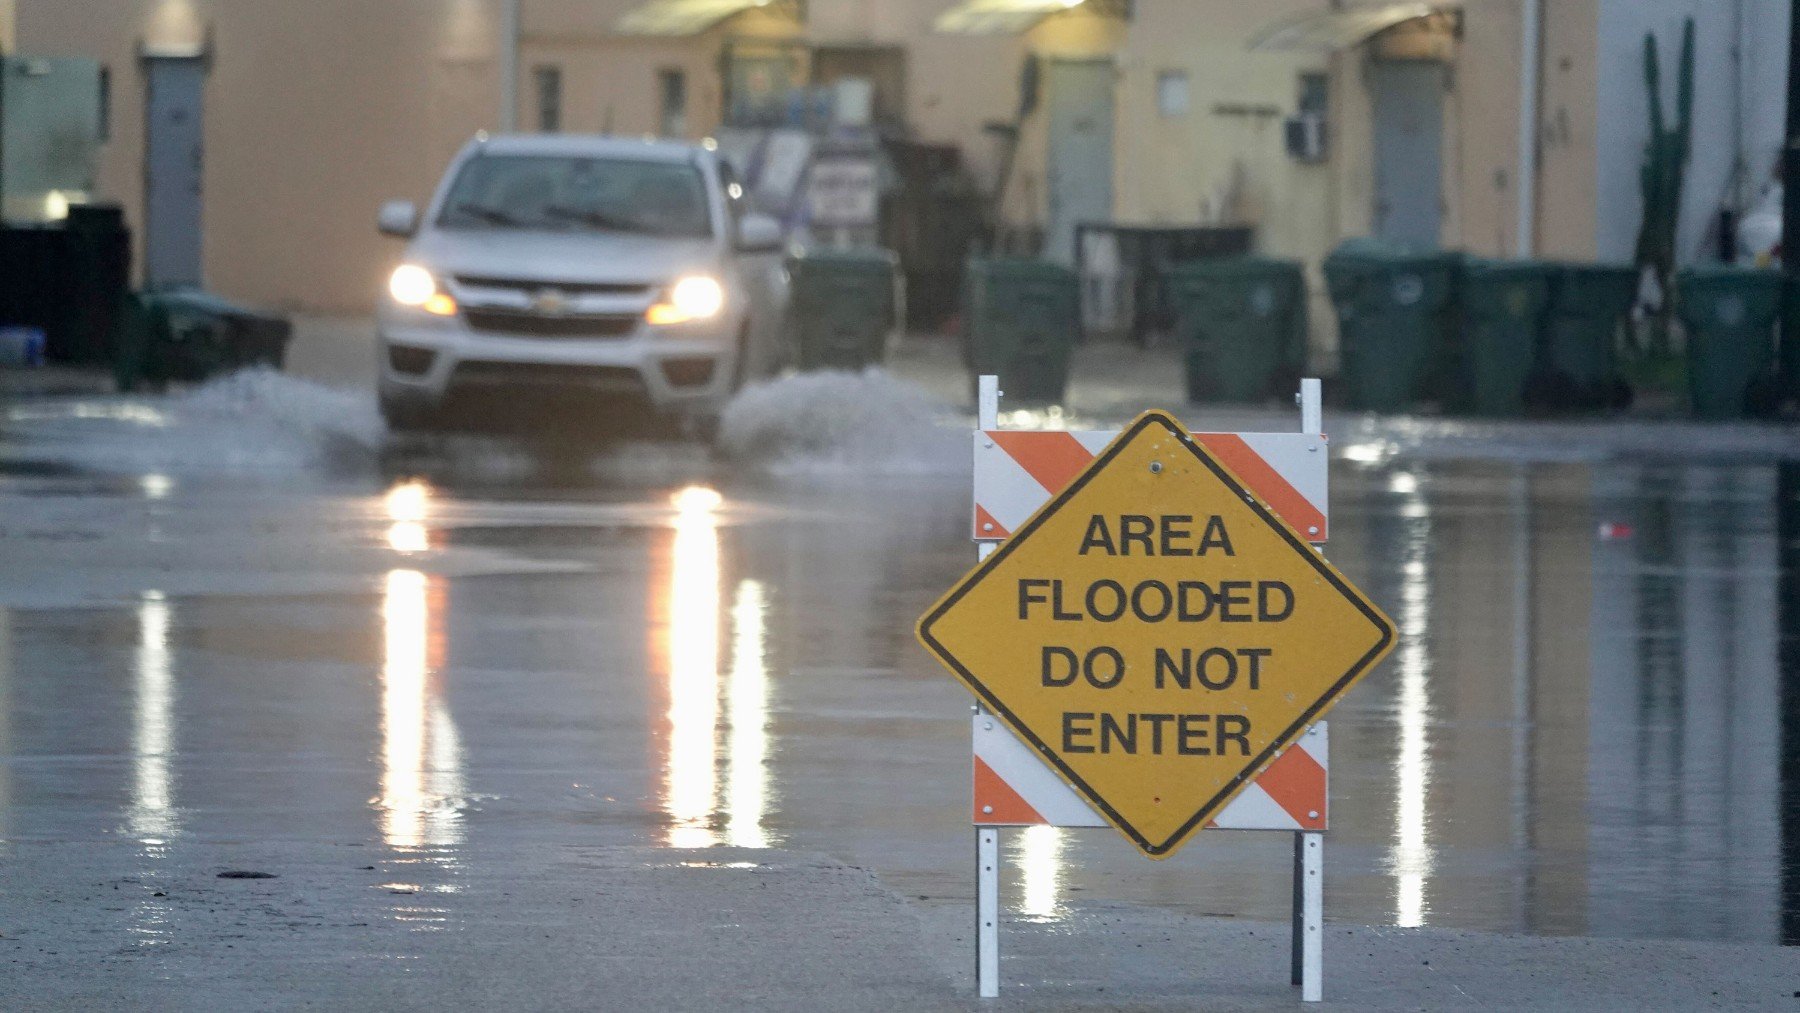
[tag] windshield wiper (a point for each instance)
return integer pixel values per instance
(598, 219)
(493, 216)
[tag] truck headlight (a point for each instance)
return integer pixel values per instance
(695, 297)
(412, 285)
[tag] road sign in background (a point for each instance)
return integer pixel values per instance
(1157, 634)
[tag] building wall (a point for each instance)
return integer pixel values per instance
(1736, 109)
(610, 82)
(318, 111)
(315, 113)
(1482, 143)
(8, 27)
(1224, 159)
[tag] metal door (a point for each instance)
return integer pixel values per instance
(1409, 138)
(173, 147)
(1079, 168)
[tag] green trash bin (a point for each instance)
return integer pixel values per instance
(1789, 346)
(1391, 307)
(188, 335)
(1501, 307)
(843, 306)
(1579, 365)
(1022, 319)
(1242, 322)
(1730, 315)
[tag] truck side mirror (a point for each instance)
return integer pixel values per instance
(759, 234)
(398, 218)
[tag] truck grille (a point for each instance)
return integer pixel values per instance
(534, 325)
(565, 287)
(536, 373)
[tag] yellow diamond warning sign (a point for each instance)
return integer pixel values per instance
(1157, 634)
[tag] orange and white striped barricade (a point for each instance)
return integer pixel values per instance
(1016, 472)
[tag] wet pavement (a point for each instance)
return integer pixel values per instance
(467, 700)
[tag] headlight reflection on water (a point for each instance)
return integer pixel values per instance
(691, 780)
(421, 753)
(407, 505)
(152, 814)
(687, 599)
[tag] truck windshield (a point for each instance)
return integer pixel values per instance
(574, 194)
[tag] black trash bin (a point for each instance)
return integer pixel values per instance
(1393, 341)
(99, 257)
(843, 307)
(1502, 305)
(1021, 322)
(67, 279)
(1730, 314)
(1242, 324)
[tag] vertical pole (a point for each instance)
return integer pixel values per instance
(987, 402)
(509, 65)
(1297, 963)
(1530, 85)
(1312, 960)
(1312, 414)
(1787, 526)
(987, 839)
(1308, 970)
(1790, 204)
(987, 912)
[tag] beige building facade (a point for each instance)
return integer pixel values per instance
(316, 112)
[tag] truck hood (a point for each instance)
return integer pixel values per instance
(586, 257)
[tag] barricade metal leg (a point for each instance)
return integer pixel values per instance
(1311, 921)
(987, 839)
(987, 912)
(1298, 960)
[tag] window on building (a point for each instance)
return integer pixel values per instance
(1314, 95)
(671, 86)
(103, 121)
(1172, 94)
(549, 98)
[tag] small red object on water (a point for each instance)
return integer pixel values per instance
(1613, 532)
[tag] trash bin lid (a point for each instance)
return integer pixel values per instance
(1729, 296)
(1240, 266)
(871, 255)
(1020, 267)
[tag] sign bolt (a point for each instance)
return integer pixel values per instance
(1155, 467)
(989, 725)
(1312, 815)
(989, 526)
(987, 809)
(1312, 530)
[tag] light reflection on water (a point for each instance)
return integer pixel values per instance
(422, 781)
(690, 777)
(152, 816)
(686, 652)
(1038, 857)
(747, 784)
(1409, 856)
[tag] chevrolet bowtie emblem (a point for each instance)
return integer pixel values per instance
(550, 302)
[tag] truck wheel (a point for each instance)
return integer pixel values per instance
(404, 415)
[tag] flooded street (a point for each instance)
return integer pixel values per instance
(439, 689)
